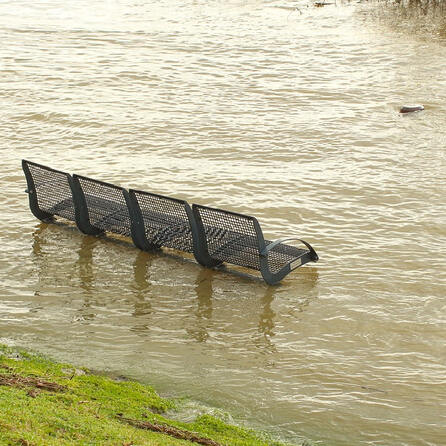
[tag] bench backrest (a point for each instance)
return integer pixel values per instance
(49, 191)
(105, 204)
(230, 237)
(166, 221)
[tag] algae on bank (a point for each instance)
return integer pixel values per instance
(47, 403)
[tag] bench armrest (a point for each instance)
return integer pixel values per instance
(273, 244)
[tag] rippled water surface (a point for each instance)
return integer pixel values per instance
(287, 114)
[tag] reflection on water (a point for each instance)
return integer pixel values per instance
(141, 288)
(203, 312)
(287, 115)
(424, 18)
(84, 272)
(84, 264)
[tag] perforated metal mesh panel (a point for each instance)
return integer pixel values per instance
(106, 206)
(165, 221)
(230, 237)
(283, 254)
(53, 191)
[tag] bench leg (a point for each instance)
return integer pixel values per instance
(137, 223)
(201, 252)
(81, 209)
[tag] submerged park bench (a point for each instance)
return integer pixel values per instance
(152, 221)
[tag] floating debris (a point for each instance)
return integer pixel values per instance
(411, 108)
(14, 380)
(169, 430)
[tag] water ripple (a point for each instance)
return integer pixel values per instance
(287, 114)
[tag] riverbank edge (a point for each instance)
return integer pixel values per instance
(44, 402)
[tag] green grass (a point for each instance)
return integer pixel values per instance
(87, 410)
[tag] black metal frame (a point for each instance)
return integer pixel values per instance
(82, 216)
(239, 240)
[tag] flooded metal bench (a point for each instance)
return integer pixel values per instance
(153, 221)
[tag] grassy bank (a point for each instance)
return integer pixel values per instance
(46, 403)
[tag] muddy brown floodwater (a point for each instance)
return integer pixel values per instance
(289, 115)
